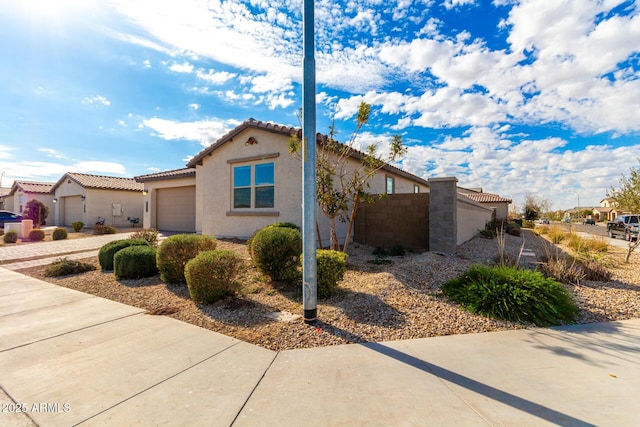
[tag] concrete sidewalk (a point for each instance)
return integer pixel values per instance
(68, 358)
(16, 253)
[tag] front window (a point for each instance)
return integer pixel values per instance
(416, 188)
(253, 186)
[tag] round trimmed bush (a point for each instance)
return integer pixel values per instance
(175, 251)
(106, 252)
(210, 275)
(134, 262)
(512, 294)
(276, 252)
(59, 234)
(36, 235)
(331, 266)
(99, 230)
(77, 226)
(276, 225)
(10, 237)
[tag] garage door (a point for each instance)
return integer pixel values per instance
(176, 209)
(72, 209)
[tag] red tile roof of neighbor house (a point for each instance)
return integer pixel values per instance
(158, 176)
(33, 187)
(101, 182)
(486, 198)
(287, 131)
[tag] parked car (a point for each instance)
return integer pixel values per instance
(7, 216)
(543, 221)
(624, 225)
(589, 221)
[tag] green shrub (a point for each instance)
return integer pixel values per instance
(64, 267)
(514, 231)
(380, 252)
(175, 251)
(512, 294)
(107, 252)
(134, 262)
(99, 230)
(10, 237)
(36, 235)
(529, 224)
(397, 250)
(331, 266)
(59, 234)
(210, 275)
(77, 226)
(276, 252)
(274, 225)
(148, 234)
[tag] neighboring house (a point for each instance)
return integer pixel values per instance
(499, 204)
(4, 192)
(95, 198)
(170, 200)
(248, 180)
(607, 210)
(23, 191)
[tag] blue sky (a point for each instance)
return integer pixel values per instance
(517, 97)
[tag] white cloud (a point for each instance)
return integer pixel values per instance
(450, 4)
(98, 99)
(215, 77)
(5, 152)
(204, 131)
(51, 172)
(194, 107)
(185, 67)
(146, 63)
(50, 152)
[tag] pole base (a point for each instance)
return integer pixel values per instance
(310, 316)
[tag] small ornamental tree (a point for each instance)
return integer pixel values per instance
(36, 211)
(343, 174)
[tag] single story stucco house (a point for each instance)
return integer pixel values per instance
(23, 191)
(500, 205)
(97, 199)
(248, 179)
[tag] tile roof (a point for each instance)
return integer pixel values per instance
(486, 198)
(158, 176)
(31, 187)
(286, 131)
(101, 182)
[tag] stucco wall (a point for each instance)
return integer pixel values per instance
(472, 217)
(149, 200)
(19, 198)
(214, 213)
(99, 203)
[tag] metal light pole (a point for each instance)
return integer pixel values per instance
(577, 194)
(309, 279)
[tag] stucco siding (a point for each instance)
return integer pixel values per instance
(215, 180)
(100, 203)
(472, 217)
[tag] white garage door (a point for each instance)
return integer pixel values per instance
(176, 209)
(72, 209)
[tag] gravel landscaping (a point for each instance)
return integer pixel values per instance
(376, 301)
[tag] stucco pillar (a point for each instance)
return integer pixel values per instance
(443, 214)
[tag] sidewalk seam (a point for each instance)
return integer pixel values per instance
(254, 389)
(26, 413)
(158, 383)
(73, 331)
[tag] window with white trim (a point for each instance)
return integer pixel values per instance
(253, 186)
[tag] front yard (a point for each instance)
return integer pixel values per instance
(376, 301)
